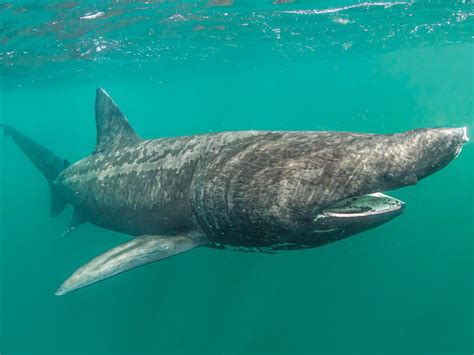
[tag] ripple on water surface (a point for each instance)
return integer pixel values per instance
(50, 37)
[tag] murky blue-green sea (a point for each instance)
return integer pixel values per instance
(186, 67)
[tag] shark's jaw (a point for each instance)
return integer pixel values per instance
(356, 214)
(363, 206)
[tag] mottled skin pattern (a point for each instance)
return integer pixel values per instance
(246, 189)
(253, 191)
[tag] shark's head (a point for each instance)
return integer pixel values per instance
(374, 164)
(336, 189)
(403, 159)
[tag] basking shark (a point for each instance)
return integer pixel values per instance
(264, 191)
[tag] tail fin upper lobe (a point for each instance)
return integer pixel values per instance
(46, 161)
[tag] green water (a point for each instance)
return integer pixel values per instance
(178, 68)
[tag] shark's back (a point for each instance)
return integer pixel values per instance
(136, 189)
(143, 187)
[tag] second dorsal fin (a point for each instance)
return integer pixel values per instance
(113, 128)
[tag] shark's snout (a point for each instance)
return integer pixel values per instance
(462, 132)
(403, 159)
(437, 147)
(459, 134)
(465, 136)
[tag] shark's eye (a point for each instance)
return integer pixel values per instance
(388, 177)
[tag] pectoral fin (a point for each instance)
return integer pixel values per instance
(139, 251)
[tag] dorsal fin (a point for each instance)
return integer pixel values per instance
(113, 128)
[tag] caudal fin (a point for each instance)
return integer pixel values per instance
(46, 162)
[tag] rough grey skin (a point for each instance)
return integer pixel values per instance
(250, 190)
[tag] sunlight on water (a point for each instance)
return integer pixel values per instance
(38, 37)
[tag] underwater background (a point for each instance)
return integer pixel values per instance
(187, 67)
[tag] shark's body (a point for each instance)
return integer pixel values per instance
(173, 185)
(250, 190)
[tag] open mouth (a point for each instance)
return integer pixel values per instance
(356, 214)
(363, 206)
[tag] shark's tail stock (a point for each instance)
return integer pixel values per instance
(46, 161)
